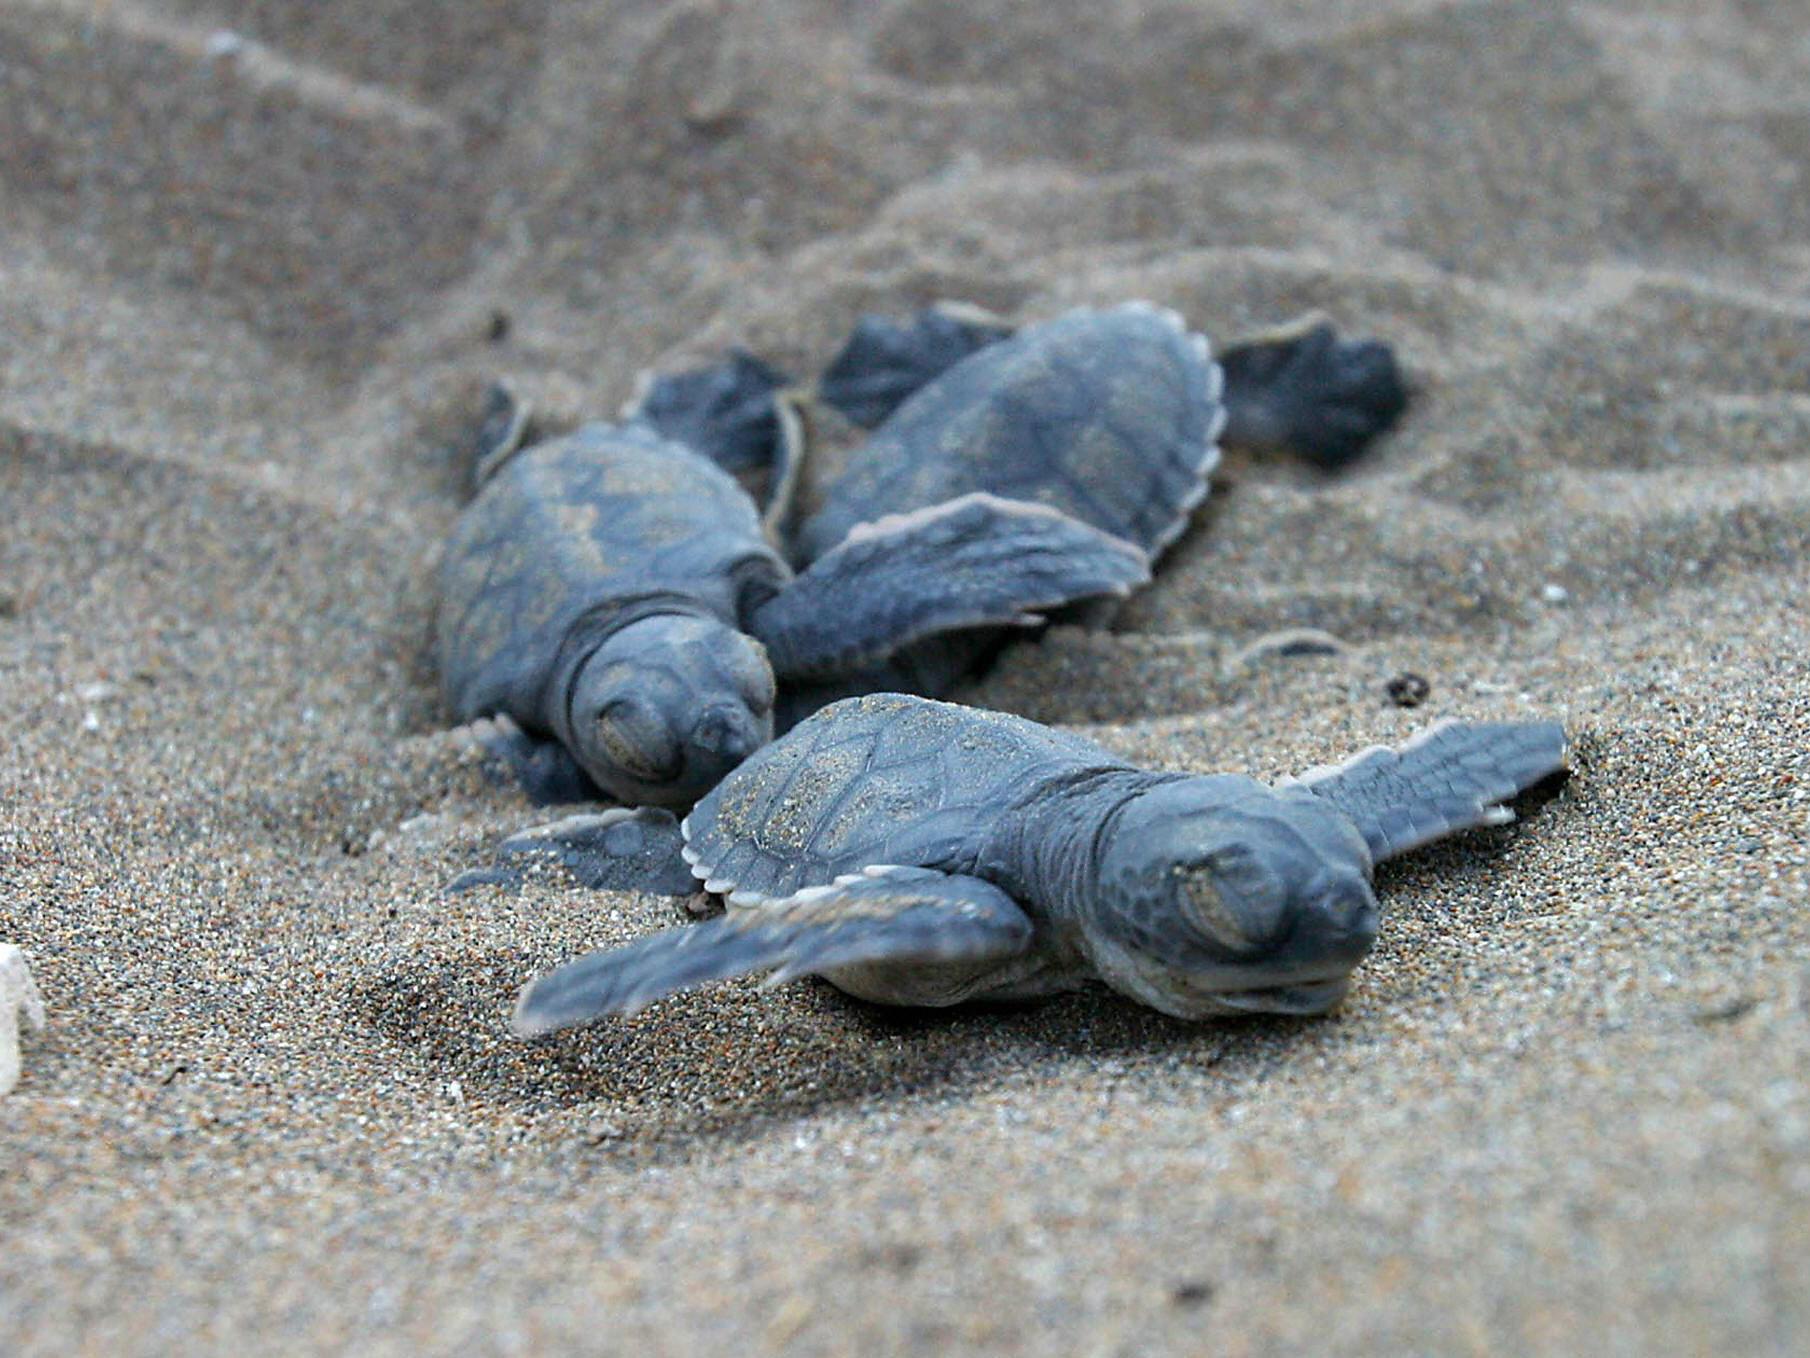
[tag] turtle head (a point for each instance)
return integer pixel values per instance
(1220, 895)
(666, 706)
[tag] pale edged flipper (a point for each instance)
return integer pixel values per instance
(1451, 777)
(501, 432)
(975, 561)
(621, 849)
(1305, 391)
(911, 916)
(19, 1000)
(724, 411)
(544, 769)
(884, 362)
(787, 465)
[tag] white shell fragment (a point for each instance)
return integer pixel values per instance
(18, 995)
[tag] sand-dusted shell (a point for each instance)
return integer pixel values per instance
(873, 780)
(1111, 416)
(605, 516)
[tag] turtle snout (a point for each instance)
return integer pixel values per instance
(727, 735)
(1340, 928)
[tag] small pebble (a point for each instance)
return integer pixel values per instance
(1408, 689)
(1191, 1295)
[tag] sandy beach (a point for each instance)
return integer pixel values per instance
(257, 262)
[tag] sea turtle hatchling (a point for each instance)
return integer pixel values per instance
(606, 590)
(1110, 416)
(920, 853)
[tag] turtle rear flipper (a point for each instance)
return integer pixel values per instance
(1450, 777)
(898, 915)
(1304, 390)
(884, 362)
(976, 561)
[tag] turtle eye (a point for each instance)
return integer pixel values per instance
(1202, 901)
(1234, 896)
(632, 737)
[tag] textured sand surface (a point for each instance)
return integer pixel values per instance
(249, 288)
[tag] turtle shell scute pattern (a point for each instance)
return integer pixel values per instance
(1110, 416)
(604, 513)
(881, 779)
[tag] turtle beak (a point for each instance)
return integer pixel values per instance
(727, 734)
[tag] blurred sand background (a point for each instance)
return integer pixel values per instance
(250, 285)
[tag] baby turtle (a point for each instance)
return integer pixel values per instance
(613, 591)
(920, 853)
(1112, 417)
(1297, 388)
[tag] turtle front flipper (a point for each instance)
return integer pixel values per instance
(1304, 390)
(1451, 777)
(976, 561)
(501, 432)
(724, 411)
(909, 916)
(621, 849)
(739, 414)
(545, 770)
(884, 362)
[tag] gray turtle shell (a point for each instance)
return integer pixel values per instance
(1109, 416)
(881, 779)
(576, 536)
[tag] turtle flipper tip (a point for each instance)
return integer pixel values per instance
(1309, 392)
(539, 1014)
(501, 432)
(884, 362)
(528, 1020)
(579, 992)
(724, 410)
(621, 849)
(496, 875)
(1452, 776)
